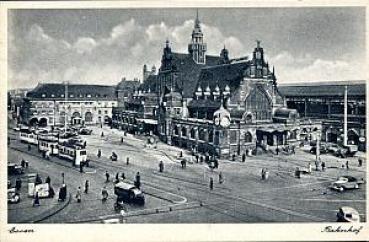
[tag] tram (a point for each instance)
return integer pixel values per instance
(48, 143)
(28, 136)
(73, 150)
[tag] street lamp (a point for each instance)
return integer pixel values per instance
(317, 152)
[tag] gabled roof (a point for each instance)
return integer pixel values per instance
(75, 91)
(323, 89)
(189, 71)
(222, 75)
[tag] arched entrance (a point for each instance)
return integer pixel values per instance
(352, 137)
(33, 122)
(42, 122)
(76, 118)
(88, 117)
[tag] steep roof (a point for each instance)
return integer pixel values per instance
(323, 89)
(75, 91)
(222, 75)
(127, 84)
(189, 71)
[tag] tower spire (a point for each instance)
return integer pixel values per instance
(197, 21)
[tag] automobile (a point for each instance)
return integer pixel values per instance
(129, 193)
(85, 131)
(16, 129)
(348, 214)
(13, 196)
(332, 148)
(346, 183)
(347, 151)
(323, 149)
(14, 169)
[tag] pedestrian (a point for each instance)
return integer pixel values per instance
(216, 163)
(78, 195)
(23, 163)
(211, 183)
(98, 153)
(197, 158)
(36, 200)
(183, 163)
(360, 162)
(181, 154)
(123, 176)
(221, 178)
(243, 157)
(117, 177)
(323, 166)
(104, 194)
(233, 157)
(201, 159)
(161, 166)
(277, 150)
(121, 140)
(102, 134)
(29, 147)
(48, 180)
(38, 180)
(262, 174)
(347, 164)
(297, 173)
(138, 180)
(107, 175)
(127, 161)
(51, 192)
(8, 140)
(87, 185)
(18, 184)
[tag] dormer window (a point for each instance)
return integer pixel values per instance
(52, 95)
(88, 95)
(71, 95)
(43, 95)
(62, 95)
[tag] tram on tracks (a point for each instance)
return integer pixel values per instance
(72, 149)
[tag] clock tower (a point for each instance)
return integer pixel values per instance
(197, 47)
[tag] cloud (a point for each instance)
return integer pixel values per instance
(307, 69)
(39, 57)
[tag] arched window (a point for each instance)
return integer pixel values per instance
(248, 137)
(210, 135)
(184, 131)
(176, 131)
(88, 117)
(202, 134)
(192, 133)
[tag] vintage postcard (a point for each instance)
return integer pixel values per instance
(195, 121)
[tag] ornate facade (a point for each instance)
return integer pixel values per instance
(213, 104)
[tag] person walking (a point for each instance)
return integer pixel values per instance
(87, 185)
(323, 166)
(138, 180)
(102, 134)
(121, 140)
(48, 180)
(197, 158)
(123, 176)
(29, 147)
(98, 153)
(243, 157)
(23, 163)
(262, 174)
(161, 166)
(107, 175)
(211, 183)
(36, 200)
(79, 195)
(221, 178)
(62, 193)
(347, 164)
(104, 194)
(127, 161)
(18, 184)
(117, 177)
(38, 180)
(360, 162)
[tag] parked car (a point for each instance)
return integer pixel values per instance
(85, 131)
(129, 193)
(14, 169)
(13, 196)
(348, 214)
(332, 148)
(323, 149)
(346, 183)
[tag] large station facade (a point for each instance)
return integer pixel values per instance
(214, 104)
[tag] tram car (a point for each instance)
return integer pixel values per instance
(28, 136)
(48, 143)
(73, 150)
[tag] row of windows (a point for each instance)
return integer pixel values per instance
(72, 95)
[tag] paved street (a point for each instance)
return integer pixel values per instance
(183, 195)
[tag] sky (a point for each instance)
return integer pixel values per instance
(100, 46)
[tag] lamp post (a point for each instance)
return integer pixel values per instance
(317, 152)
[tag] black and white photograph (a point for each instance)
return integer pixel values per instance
(187, 115)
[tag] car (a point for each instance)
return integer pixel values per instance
(346, 183)
(332, 148)
(129, 193)
(14, 169)
(323, 149)
(16, 129)
(85, 131)
(13, 196)
(348, 214)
